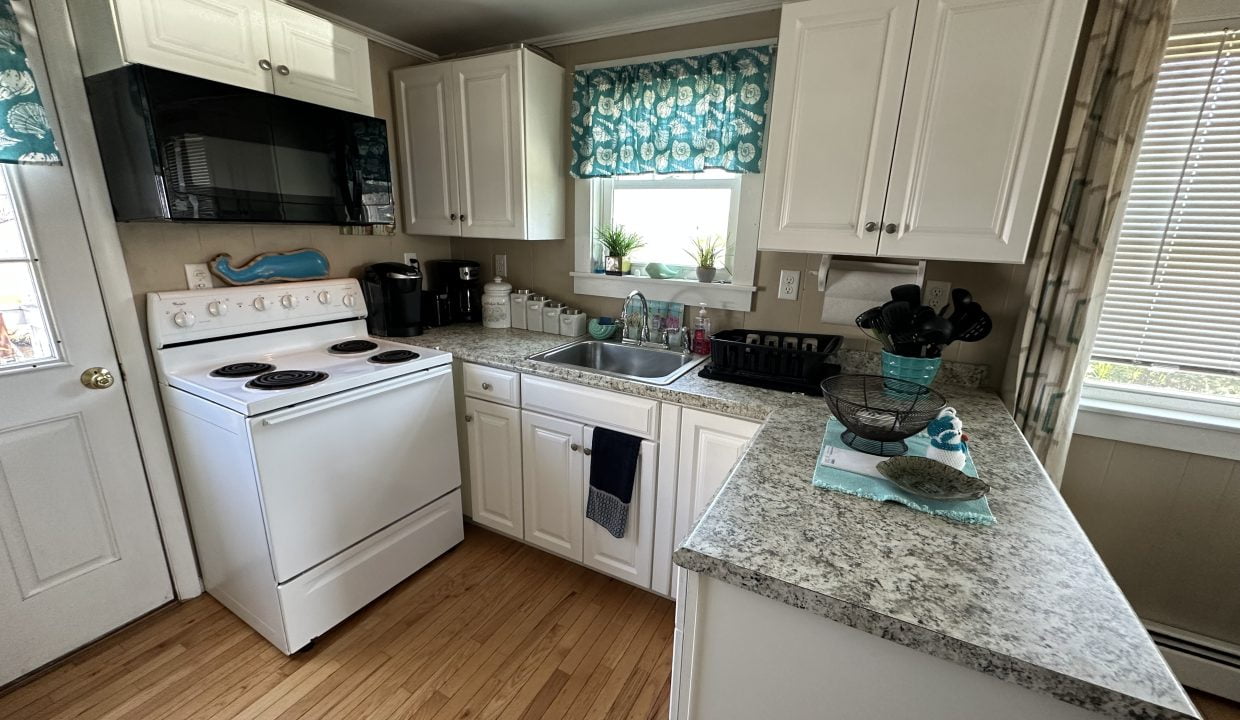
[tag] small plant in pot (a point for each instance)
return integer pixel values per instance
(705, 253)
(618, 245)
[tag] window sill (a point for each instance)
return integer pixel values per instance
(688, 292)
(1190, 432)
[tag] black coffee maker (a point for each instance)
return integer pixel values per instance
(394, 298)
(460, 282)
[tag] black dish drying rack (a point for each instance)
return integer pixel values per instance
(792, 362)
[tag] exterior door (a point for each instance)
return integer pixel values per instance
(554, 483)
(628, 558)
(833, 123)
(221, 40)
(986, 82)
(81, 551)
(425, 116)
(317, 61)
(490, 131)
(494, 437)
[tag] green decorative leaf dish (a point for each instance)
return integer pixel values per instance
(931, 479)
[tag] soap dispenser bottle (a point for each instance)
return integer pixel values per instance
(701, 332)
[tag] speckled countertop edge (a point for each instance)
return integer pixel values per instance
(764, 480)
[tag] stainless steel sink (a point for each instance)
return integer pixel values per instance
(643, 364)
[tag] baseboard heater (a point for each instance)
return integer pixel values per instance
(1200, 662)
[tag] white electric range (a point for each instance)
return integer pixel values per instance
(319, 464)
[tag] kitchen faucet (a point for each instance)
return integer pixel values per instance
(643, 335)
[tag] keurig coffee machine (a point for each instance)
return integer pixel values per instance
(393, 298)
(460, 282)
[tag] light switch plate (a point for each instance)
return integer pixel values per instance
(501, 265)
(410, 257)
(789, 284)
(937, 294)
(197, 276)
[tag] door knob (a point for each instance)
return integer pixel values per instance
(265, 64)
(98, 378)
(486, 386)
(891, 228)
(452, 216)
(282, 69)
(871, 226)
(462, 217)
(575, 447)
(469, 418)
(587, 451)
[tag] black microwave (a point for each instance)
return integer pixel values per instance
(176, 147)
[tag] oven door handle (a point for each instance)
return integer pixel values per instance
(349, 396)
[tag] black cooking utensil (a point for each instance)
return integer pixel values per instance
(960, 299)
(898, 324)
(910, 294)
(868, 319)
(933, 334)
(977, 328)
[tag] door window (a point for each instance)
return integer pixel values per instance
(26, 336)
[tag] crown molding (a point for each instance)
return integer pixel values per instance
(657, 21)
(370, 33)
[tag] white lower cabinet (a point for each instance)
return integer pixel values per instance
(493, 436)
(554, 469)
(629, 557)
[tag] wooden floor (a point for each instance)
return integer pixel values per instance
(1213, 707)
(493, 629)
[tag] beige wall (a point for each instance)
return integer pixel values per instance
(156, 252)
(545, 266)
(1165, 524)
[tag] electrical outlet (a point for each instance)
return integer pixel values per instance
(789, 284)
(410, 258)
(937, 294)
(501, 265)
(197, 276)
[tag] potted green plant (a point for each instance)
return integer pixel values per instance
(705, 253)
(617, 246)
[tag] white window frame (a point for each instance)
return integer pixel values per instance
(1158, 417)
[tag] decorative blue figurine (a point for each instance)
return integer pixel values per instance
(947, 439)
(306, 264)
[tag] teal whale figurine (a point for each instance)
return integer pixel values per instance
(305, 264)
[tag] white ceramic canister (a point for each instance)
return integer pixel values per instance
(552, 311)
(573, 322)
(496, 311)
(517, 304)
(533, 312)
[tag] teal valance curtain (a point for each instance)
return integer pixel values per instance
(682, 115)
(25, 134)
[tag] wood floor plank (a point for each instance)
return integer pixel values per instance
(494, 629)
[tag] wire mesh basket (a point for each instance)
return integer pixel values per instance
(878, 412)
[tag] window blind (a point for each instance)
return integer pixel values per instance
(1173, 297)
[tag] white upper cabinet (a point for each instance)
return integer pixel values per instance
(256, 44)
(962, 110)
(317, 61)
(482, 146)
(836, 102)
(985, 87)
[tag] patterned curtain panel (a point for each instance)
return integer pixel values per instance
(1067, 277)
(682, 115)
(25, 134)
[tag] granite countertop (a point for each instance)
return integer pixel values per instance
(1027, 600)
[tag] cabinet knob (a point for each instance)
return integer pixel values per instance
(282, 69)
(462, 217)
(486, 386)
(891, 228)
(575, 447)
(469, 418)
(871, 226)
(452, 216)
(587, 451)
(265, 64)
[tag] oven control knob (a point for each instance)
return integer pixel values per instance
(184, 318)
(217, 308)
(349, 300)
(260, 303)
(289, 301)
(325, 297)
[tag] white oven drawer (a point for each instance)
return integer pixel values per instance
(488, 383)
(325, 595)
(335, 470)
(637, 416)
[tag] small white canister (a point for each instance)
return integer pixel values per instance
(518, 308)
(496, 312)
(551, 317)
(533, 312)
(573, 322)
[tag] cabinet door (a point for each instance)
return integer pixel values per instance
(491, 157)
(317, 61)
(833, 123)
(423, 97)
(221, 40)
(554, 483)
(494, 436)
(629, 557)
(985, 87)
(710, 445)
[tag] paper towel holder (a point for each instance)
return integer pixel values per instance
(846, 263)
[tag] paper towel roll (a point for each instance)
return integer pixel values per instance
(853, 286)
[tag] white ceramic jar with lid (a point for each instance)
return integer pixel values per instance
(551, 316)
(533, 312)
(573, 322)
(496, 311)
(517, 308)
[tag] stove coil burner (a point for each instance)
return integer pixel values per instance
(240, 370)
(393, 356)
(285, 379)
(351, 347)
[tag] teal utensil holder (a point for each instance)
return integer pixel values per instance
(913, 369)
